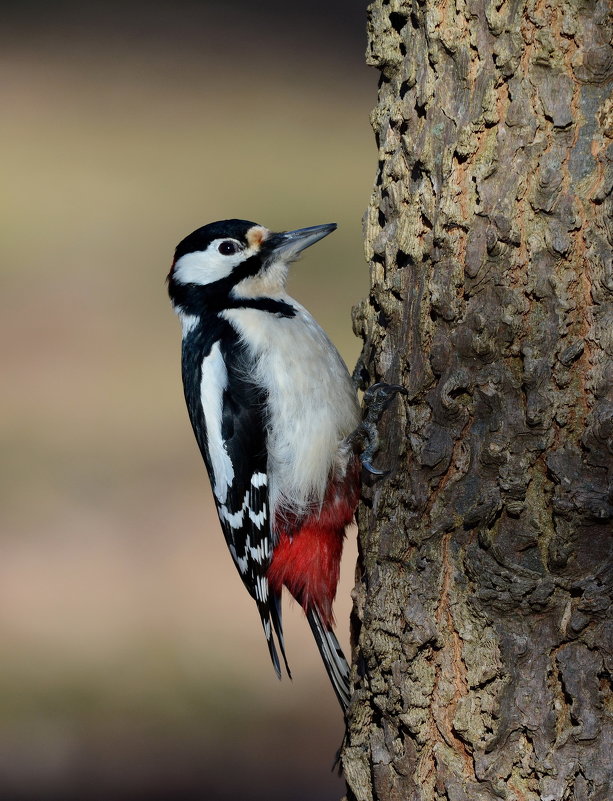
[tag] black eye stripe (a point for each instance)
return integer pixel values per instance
(228, 248)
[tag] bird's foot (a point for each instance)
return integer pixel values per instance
(366, 436)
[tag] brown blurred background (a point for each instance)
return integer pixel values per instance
(133, 664)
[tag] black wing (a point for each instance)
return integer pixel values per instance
(231, 434)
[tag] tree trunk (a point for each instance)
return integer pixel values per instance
(482, 627)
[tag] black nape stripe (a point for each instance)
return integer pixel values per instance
(263, 304)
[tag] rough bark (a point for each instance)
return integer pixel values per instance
(483, 634)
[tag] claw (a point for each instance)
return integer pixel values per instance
(376, 400)
(373, 470)
(378, 397)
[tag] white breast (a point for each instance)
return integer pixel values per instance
(312, 402)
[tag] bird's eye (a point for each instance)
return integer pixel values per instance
(228, 248)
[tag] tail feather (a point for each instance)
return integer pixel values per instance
(275, 615)
(274, 656)
(332, 656)
(270, 613)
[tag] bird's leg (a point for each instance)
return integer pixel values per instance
(360, 375)
(365, 438)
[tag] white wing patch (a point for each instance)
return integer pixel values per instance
(258, 479)
(213, 383)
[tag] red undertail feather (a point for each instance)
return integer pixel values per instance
(307, 561)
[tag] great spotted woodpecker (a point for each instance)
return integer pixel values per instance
(273, 407)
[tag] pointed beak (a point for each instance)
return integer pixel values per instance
(289, 244)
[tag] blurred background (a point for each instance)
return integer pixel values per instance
(133, 663)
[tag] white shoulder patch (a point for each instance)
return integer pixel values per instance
(214, 382)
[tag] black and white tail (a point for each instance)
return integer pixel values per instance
(332, 656)
(271, 612)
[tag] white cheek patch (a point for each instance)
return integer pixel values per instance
(206, 266)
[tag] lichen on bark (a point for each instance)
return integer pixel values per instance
(483, 635)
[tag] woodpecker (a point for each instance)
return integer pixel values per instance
(273, 408)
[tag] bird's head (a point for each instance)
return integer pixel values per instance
(236, 259)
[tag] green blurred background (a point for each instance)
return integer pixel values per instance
(133, 663)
